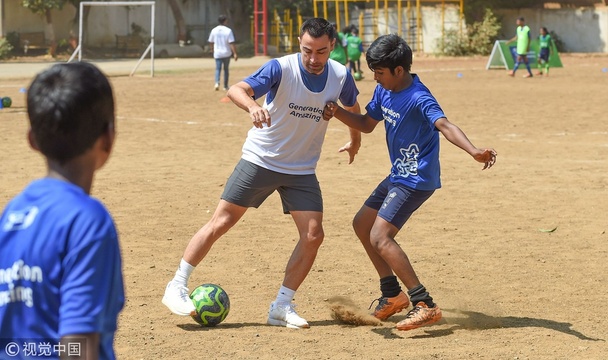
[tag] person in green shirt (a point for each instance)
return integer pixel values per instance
(544, 51)
(354, 48)
(523, 46)
(339, 51)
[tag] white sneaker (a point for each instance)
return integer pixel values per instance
(217, 86)
(284, 314)
(177, 300)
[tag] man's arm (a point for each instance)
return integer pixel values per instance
(354, 145)
(233, 48)
(241, 95)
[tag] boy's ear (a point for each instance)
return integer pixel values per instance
(31, 140)
(108, 138)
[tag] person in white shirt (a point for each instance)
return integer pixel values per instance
(280, 154)
(221, 40)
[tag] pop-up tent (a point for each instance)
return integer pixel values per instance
(503, 56)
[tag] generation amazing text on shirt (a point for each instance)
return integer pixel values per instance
(19, 271)
(19, 220)
(306, 112)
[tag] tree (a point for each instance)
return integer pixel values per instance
(43, 8)
(182, 31)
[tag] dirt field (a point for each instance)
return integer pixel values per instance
(508, 289)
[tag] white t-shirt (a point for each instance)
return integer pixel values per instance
(221, 36)
(292, 144)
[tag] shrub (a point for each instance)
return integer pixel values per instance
(478, 40)
(5, 49)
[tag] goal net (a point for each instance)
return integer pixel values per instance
(123, 29)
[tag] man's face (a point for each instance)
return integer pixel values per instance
(315, 52)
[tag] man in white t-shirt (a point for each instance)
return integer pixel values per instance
(221, 40)
(280, 154)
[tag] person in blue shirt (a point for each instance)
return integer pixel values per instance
(61, 282)
(412, 119)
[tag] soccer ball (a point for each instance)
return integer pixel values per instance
(212, 304)
(358, 76)
(6, 102)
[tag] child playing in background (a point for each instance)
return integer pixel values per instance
(354, 49)
(412, 119)
(59, 250)
(544, 51)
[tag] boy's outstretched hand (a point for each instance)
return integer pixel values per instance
(486, 156)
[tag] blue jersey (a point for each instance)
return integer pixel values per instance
(60, 270)
(411, 136)
(266, 81)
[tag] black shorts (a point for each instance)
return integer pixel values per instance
(544, 54)
(250, 184)
(396, 203)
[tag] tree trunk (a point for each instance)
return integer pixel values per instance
(50, 33)
(179, 21)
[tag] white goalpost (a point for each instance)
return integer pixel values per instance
(149, 49)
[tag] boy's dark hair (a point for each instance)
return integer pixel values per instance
(69, 107)
(545, 29)
(521, 18)
(318, 27)
(222, 19)
(389, 51)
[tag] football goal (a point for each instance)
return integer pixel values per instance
(122, 42)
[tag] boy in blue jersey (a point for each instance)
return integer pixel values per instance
(61, 284)
(412, 119)
(280, 154)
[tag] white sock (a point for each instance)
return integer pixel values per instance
(285, 295)
(183, 273)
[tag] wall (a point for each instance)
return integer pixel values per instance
(425, 39)
(19, 19)
(104, 23)
(581, 30)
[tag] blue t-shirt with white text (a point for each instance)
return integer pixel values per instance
(60, 270)
(411, 136)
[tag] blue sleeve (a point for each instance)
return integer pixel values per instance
(348, 96)
(92, 289)
(374, 107)
(267, 78)
(430, 109)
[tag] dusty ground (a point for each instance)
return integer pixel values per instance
(508, 289)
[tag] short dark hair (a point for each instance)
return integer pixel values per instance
(69, 106)
(521, 18)
(389, 51)
(318, 27)
(222, 19)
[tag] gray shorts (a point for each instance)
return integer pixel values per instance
(250, 184)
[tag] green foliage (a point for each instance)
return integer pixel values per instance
(478, 40)
(13, 39)
(41, 6)
(5, 48)
(245, 49)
